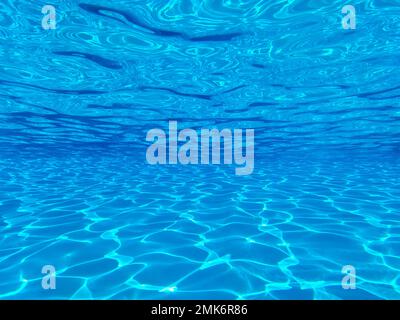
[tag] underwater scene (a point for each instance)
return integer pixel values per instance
(200, 149)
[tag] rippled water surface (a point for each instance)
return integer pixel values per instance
(77, 193)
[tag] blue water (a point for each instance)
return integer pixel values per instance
(77, 193)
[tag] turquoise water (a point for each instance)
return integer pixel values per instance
(77, 193)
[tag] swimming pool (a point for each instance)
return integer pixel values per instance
(77, 193)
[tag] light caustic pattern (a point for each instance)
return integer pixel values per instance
(77, 193)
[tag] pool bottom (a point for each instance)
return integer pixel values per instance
(115, 227)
